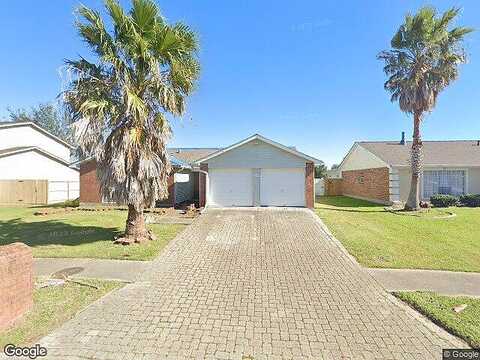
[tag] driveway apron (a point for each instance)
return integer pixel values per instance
(264, 283)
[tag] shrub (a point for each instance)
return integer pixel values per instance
(470, 200)
(441, 200)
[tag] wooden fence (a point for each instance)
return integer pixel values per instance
(333, 187)
(24, 192)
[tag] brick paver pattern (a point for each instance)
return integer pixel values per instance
(256, 284)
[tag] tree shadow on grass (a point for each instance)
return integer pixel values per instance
(52, 232)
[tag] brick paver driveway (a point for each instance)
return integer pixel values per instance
(270, 284)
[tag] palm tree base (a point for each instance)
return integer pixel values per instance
(410, 208)
(135, 239)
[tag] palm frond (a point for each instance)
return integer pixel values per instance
(424, 59)
(146, 68)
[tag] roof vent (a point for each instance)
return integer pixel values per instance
(402, 142)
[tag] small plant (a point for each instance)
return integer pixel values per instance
(443, 200)
(470, 200)
(72, 203)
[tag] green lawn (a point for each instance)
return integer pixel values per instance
(377, 238)
(439, 309)
(52, 307)
(78, 234)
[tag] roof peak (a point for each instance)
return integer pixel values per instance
(7, 124)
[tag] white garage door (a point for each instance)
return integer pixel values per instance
(282, 187)
(231, 187)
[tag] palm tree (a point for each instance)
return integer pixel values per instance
(144, 71)
(424, 60)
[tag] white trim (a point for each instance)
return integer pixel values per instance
(41, 151)
(394, 185)
(264, 139)
(36, 127)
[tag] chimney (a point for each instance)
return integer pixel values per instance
(402, 142)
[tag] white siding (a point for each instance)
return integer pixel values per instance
(256, 154)
(473, 180)
(35, 166)
(404, 177)
(394, 185)
(360, 158)
(28, 136)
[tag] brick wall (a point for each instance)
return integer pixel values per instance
(16, 282)
(202, 186)
(309, 185)
(333, 187)
(371, 184)
(89, 186)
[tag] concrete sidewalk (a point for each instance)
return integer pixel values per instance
(442, 282)
(123, 270)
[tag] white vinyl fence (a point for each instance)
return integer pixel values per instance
(319, 187)
(59, 191)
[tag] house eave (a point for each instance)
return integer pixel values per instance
(6, 125)
(261, 138)
(41, 151)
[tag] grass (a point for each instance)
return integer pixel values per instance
(381, 239)
(78, 234)
(52, 307)
(439, 309)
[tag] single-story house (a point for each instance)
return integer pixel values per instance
(253, 172)
(182, 182)
(35, 166)
(380, 170)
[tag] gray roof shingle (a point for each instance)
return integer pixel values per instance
(436, 153)
(189, 155)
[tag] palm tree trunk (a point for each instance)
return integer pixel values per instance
(135, 229)
(413, 202)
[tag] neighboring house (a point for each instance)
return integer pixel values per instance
(35, 166)
(182, 182)
(380, 170)
(253, 172)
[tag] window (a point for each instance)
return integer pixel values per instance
(443, 182)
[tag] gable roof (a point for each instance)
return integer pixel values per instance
(436, 153)
(287, 149)
(190, 155)
(22, 149)
(11, 124)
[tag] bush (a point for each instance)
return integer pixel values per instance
(65, 204)
(470, 200)
(441, 200)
